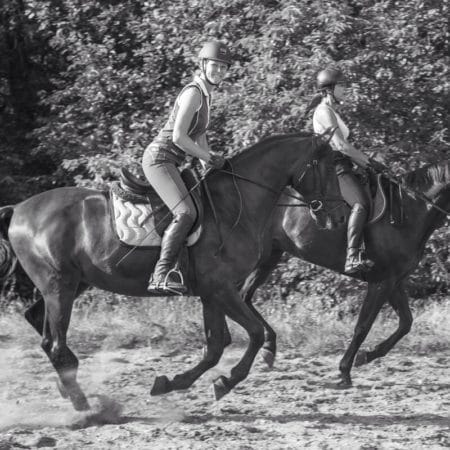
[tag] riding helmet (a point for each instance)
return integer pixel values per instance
(328, 78)
(217, 51)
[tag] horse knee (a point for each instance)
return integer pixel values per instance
(257, 335)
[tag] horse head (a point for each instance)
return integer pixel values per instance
(431, 183)
(319, 187)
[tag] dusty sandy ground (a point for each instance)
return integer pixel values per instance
(400, 402)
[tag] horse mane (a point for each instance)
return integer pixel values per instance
(428, 176)
(266, 143)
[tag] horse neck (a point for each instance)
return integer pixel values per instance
(271, 165)
(423, 213)
(434, 218)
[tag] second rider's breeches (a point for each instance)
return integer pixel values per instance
(351, 190)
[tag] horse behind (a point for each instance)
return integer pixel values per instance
(64, 241)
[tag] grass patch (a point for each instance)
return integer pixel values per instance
(101, 321)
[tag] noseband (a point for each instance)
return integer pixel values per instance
(317, 197)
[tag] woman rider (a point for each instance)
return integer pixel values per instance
(331, 93)
(184, 133)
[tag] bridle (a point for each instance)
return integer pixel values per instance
(318, 197)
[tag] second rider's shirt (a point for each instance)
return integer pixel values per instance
(320, 128)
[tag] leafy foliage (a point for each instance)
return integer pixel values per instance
(85, 85)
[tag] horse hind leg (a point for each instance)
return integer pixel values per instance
(50, 317)
(377, 294)
(399, 301)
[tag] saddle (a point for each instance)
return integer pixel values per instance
(139, 215)
(385, 196)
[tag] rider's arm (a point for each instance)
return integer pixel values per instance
(328, 119)
(203, 142)
(188, 104)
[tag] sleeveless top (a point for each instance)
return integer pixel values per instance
(163, 146)
(320, 128)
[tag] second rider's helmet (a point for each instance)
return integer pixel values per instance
(328, 78)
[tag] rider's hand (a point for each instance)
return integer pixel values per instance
(376, 166)
(216, 160)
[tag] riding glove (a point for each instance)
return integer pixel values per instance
(217, 161)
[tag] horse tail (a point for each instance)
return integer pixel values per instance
(8, 259)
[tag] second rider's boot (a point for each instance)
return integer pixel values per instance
(355, 260)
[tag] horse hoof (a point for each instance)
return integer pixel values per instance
(268, 357)
(161, 386)
(361, 359)
(62, 390)
(80, 403)
(345, 383)
(220, 387)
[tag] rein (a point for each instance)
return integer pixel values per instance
(261, 185)
(414, 192)
(268, 188)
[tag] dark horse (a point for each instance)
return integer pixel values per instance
(64, 241)
(396, 251)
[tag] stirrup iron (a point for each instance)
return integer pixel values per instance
(164, 287)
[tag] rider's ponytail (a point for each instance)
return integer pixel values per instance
(315, 101)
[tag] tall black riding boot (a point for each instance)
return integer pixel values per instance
(355, 260)
(164, 275)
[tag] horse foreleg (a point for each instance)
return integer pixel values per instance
(231, 303)
(252, 283)
(256, 279)
(269, 349)
(377, 294)
(214, 321)
(399, 301)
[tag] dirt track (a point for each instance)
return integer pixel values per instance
(400, 402)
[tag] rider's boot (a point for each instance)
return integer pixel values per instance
(166, 279)
(355, 260)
